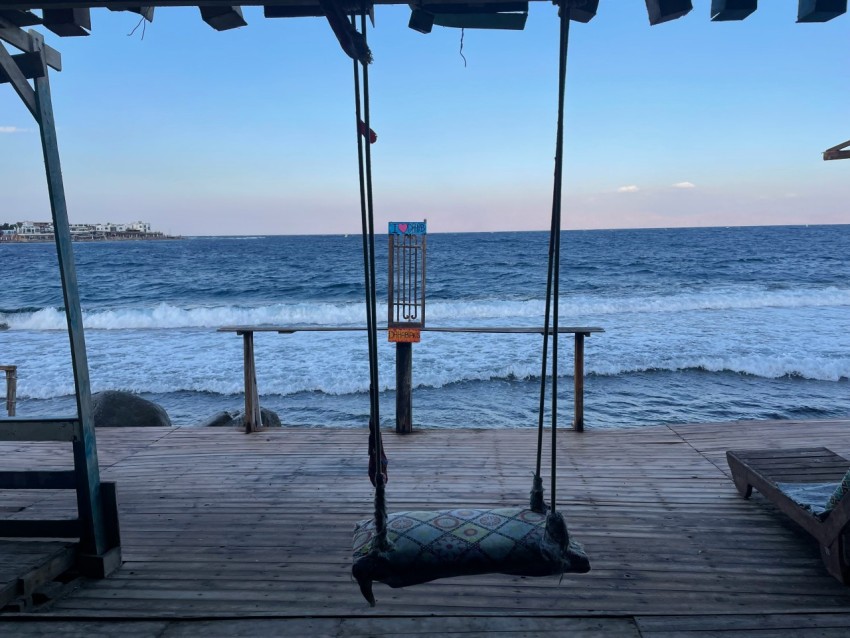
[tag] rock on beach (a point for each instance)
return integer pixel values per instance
(270, 419)
(115, 409)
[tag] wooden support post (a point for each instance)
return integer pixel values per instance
(253, 418)
(404, 388)
(578, 422)
(11, 388)
(93, 539)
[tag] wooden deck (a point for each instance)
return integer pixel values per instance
(226, 533)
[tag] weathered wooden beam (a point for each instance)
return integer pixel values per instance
(665, 10)
(11, 374)
(223, 18)
(40, 430)
(89, 502)
(63, 480)
(145, 12)
(67, 22)
(404, 388)
(578, 383)
(305, 10)
(10, 70)
(252, 419)
(61, 528)
(583, 11)
(725, 10)
(820, 10)
(22, 40)
(840, 151)
(348, 5)
(20, 18)
(31, 66)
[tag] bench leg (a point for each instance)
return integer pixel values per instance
(744, 488)
(836, 560)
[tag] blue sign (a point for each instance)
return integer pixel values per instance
(408, 228)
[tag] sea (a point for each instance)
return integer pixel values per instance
(700, 325)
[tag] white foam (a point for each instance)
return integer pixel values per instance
(498, 312)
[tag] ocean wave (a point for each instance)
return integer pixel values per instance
(166, 317)
(496, 311)
(761, 367)
(149, 376)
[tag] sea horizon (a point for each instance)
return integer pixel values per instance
(701, 324)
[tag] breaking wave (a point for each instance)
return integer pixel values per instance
(499, 312)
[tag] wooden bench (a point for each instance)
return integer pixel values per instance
(769, 472)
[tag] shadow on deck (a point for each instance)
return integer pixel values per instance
(225, 533)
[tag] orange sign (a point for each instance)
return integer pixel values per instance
(403, 335)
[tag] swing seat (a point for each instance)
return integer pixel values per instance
(428, 545)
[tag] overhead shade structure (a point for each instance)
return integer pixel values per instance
(20, 18)
(820, 10)
(487, 15)
(724, 10)
(145, 12)
(839, 151)
(223, 18)
(665, 10)
(421, 20)
(293, 11)
(30, 66)
(67, 22)
(583, 10)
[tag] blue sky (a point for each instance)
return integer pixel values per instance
(251, 131)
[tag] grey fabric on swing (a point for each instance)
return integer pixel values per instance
(427, 545)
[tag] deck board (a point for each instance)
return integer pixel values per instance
(218, 523)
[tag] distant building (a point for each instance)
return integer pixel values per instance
(43, 231)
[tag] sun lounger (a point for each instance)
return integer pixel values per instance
(810, 486)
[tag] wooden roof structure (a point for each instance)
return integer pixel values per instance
(72, 18)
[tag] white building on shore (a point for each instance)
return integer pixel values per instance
(43, 231)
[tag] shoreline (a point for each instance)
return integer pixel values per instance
(46, 240)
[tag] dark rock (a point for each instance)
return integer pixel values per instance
(222, 419)
(113, 409)
(269, 418)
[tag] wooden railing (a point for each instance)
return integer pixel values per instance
(11, 387)
(252, 399)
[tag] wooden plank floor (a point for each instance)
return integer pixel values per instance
(257, 528)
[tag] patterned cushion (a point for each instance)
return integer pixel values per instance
(812, 497)
(438, 544)
(839, 492)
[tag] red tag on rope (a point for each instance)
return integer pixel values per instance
(361, 127)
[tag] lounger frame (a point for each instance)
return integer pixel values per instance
(763, 469)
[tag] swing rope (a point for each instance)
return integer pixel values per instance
(412, 557)
(537, 503)
(364, 157)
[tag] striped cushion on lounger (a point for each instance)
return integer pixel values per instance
(438, 544)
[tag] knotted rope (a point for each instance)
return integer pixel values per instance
(377, 459)
(552, 281)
